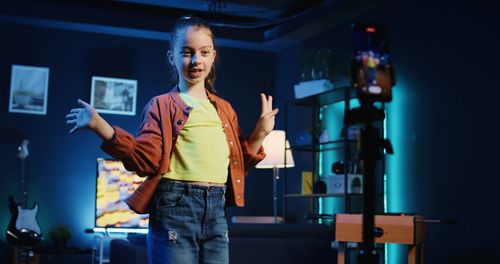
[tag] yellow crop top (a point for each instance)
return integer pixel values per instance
(201, 152)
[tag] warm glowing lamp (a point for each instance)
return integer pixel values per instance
(278, 155)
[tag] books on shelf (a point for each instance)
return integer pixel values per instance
(307, 182)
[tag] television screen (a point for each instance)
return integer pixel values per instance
(114, 185)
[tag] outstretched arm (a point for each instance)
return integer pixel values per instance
(265, 124)
(87, 118)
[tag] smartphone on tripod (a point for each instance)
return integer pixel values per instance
(371, 69)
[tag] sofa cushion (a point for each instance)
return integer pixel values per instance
(137, 239)
(121, 251)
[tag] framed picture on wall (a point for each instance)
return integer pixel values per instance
(28, 89)
(113, 95)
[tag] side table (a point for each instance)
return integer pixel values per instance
(401, 229)
(73, 255)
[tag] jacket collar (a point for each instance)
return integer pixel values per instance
(213, 98)
(186, 109)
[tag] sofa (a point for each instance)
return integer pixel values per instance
(131, 250)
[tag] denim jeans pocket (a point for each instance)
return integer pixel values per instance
(169, 199)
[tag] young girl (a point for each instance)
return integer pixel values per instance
(190, 148)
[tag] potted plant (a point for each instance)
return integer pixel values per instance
(60, 234)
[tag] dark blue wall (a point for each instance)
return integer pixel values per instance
(446, 137)
(446, 104)
(62, 168)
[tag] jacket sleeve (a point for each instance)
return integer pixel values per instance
(140, 153)
(250, 159)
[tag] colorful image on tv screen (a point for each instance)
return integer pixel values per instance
(114, 185)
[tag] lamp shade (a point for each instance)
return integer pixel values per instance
(274, 146)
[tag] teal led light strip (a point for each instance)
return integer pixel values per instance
(386, 252)
(396, 128)
(385, 174)
(320, 168)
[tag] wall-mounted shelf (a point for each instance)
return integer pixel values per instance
(299, 195)
(326, 146)
(325, 98)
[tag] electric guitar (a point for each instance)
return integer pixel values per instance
(23, 229)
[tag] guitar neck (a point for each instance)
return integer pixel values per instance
(24, 185)
(22, 154)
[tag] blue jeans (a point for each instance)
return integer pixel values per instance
(188, 225)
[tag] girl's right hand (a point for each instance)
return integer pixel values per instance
(84, 117)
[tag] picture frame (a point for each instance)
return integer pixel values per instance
(29, 89)
(114, 95)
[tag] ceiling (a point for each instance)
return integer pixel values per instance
(254, 24)
(261, 9)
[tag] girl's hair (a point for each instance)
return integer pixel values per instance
(196, 22)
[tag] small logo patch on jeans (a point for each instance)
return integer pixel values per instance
(172, 236)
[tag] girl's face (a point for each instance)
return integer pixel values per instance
(193, 55)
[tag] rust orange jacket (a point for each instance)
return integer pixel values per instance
(148, 153)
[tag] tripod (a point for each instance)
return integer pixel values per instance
(371, 151)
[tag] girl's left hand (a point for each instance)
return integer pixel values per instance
(265, 124)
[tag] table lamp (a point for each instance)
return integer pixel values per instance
(278, 155)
